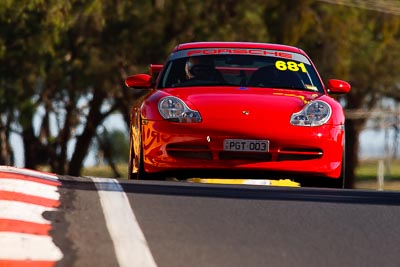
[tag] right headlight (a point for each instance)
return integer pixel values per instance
(315, 113)
(174, 109)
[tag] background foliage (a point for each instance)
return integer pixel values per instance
(65, 62)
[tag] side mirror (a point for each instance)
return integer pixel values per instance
(139, 81)
(338, 87)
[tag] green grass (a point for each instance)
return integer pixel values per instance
(105, 171)
(368, 170)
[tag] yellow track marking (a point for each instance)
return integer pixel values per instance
(285, 182)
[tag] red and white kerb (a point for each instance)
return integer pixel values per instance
(24, 233)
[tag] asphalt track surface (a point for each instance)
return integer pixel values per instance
(189, 224)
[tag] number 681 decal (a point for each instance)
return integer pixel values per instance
(290, 65)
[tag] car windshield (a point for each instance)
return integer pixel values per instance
(263, 68)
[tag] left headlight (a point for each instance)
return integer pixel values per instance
(174, 109)
(315, 113)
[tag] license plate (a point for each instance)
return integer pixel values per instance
(246, 145)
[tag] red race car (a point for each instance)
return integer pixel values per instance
(237, 109)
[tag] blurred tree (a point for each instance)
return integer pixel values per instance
(59, 66)
(29, 32)
(113, 147)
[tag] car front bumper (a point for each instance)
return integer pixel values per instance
(315, 151)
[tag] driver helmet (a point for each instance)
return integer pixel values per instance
(204, 64)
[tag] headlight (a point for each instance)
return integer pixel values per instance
(174, 109)
(315, 113)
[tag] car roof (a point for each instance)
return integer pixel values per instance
(251, 45)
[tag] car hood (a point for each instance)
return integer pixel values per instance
(251, 103)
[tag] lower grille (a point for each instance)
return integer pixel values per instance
(189, 151)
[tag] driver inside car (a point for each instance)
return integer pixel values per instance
(188, 67)
(202, 68)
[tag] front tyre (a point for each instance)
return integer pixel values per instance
(134, 160)
(141, 174)
(131, 160)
